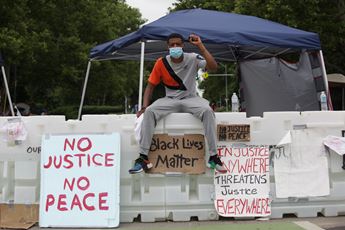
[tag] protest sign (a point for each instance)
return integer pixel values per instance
(233, 132)
(80, 180)
(177, 154)
(244, 190)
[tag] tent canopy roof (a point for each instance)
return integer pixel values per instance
(228, 36)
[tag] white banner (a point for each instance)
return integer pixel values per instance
(337, 144)
(301, 168)
(80, 180)
(244, 190)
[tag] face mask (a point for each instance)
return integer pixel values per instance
(175, 52)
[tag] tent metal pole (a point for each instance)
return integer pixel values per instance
(256, 52)
(7, 90)
(281, 52)
(141, 79)
(324, 74)
(233, 54)
(84, 89)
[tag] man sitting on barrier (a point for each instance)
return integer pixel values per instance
(178, 72)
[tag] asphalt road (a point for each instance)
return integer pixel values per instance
(318, 223)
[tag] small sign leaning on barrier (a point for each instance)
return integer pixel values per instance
(177, 154)
(234, 132)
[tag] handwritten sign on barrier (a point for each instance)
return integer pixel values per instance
(177, 154)
(244, 190)
(233, 132)
(80, 180)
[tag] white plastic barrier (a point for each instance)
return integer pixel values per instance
(172, 197)
(19, 163)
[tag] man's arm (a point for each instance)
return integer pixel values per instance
(211, 64)
(147, 98)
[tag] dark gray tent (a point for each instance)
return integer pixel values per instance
(228, 36)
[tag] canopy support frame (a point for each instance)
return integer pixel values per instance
(84, 89)
(233, 53)
(325, 81)
(256, 52)
(7, 90)
(281, 52)
(141, 76)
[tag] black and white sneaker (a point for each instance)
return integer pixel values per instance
(215, 163)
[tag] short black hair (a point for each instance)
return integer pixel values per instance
(174, 35)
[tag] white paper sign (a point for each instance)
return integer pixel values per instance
(337, 144)
(301, 168)
(244, 190)
(80, 180)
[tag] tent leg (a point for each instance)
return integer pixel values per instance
(324, 75)
(141, 79)
(7, 90)
(84, 89)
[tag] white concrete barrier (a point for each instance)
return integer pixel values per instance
(172, 197)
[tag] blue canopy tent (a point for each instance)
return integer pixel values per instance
(228, 36)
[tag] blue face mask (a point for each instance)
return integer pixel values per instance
(175, 52)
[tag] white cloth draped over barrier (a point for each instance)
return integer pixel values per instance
(301, 170)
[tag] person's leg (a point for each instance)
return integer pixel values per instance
(200, 108)
(156, 111)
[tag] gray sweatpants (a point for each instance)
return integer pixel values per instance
(197, 106)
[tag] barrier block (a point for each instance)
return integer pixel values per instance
(151, 198)
(25, 194)
(26, 170)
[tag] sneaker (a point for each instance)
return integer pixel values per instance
(141, 164)
(215, 163)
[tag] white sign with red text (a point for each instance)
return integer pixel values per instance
(244, 190)
(80, 180)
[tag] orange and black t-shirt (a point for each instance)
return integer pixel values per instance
(178, 79)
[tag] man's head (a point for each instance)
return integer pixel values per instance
(175, 45)
(175, 39)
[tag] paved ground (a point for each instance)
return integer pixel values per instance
(319, 223)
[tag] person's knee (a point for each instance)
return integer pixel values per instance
(208, 110)
(207, 113)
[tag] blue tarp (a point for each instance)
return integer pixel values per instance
(228, 36)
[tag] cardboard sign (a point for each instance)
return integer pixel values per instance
(18, 216)
(177, 154)
(80, 180)
(233, 132)
(244, 190)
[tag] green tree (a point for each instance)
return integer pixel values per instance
(221, 5)
(48, 41)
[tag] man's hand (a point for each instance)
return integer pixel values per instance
(141, 111)
(211, 64)
(195, 40)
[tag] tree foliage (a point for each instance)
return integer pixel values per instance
(45, 44)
